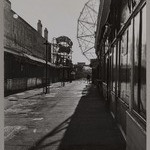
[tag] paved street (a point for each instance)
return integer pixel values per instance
(73, 117)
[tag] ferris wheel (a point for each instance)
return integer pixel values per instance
(86, 28)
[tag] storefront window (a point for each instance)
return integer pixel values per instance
(143, 65)
(130, 49)
(105, 69)
(118, 68)
(110, 69)
(140, 63)
(114, 68)
(123, 67)
(136, 58)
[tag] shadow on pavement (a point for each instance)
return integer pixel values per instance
(92, 127)
(41, 143)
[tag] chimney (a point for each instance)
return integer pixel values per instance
(7, 5)
(46, 34)
(39, 27)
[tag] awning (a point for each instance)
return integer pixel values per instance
(12, 51)
(21, 54)
(39, 60)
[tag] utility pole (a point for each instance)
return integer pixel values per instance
(46, 89)
(63, 70)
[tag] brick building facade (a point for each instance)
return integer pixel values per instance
(25, 54)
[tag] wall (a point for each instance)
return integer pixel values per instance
(19, 36)
(1, 79)
(132, 124)
(25, 51)
(136, 135)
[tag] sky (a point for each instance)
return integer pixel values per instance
(58, 16)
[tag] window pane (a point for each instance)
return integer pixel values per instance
(105, 69)
(118, 68)
(110, 70)
(143, 65)
(123, 68)
(136, 59)
(114, 67)
(130, 49)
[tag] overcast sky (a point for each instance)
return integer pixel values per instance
(58, 16)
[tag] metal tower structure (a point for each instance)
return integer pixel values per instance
(61, 49)
(86, 28)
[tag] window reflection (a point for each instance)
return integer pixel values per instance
(114, 68)
(140, 63)
(136, 58)
(124, 68)
(143, 65)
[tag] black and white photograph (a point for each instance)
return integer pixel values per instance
(75, 74)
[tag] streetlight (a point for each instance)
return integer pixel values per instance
(63, 70)
(46, 68)
(15, 16)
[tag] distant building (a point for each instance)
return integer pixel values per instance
(81, 63)
(81, 70)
